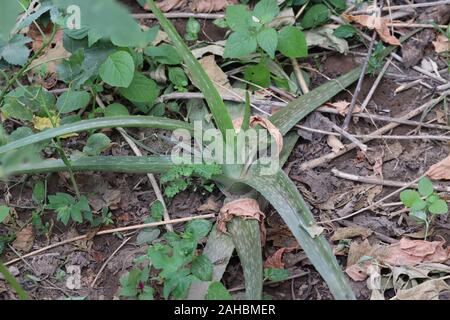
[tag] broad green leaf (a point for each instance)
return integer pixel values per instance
(292, 43)
(315, 16)
(15, 50)
(239, 44)
(4, 213)
(39, 192)
(438, 207)
(24, 101)
(282, 193)
(217, 291)
(146, 236)
(178, 77)
(72, 100)
(199, 228)
(345, 31)
(202, 268)
(141, 89)
(116, 110)
(425, 187)
(409, 197)
(339, 5)
(8, 17)
(238, 17)
(164, 53)
(99, 123)
(268, 40)
(118, 69)
(96, 144)
(192, 29)
(275, 274)
(258, 74)
(419, 204)
(107, 19)
(266, 10)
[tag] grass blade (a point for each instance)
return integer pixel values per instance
(13, 283)
(216, 105)
(100, 123)
(281, 192)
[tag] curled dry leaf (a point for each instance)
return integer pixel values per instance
(440, 170)
(245, 208)
(276, 260)
(24, 239)
(441, 44)
(258, 120)
(428, 290)
(342, 107)
(168, 5)
(377, 23)
(210, 5)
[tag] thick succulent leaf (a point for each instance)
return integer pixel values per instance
(99, 123)
(281, 192)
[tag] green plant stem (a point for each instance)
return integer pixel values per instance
(13, 283)
(26, 65)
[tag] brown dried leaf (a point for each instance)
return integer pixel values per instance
(441, 44)
(377, 23)
(351, 232)
(335, 144)
(218, 77)
(210, 205)
(245, 208)
(276, 260)
(168, 5)
(428, 290)
(342, 107)
(210, 5)
(24, 239)
(440, 170)
(258, 120)
(53, 54)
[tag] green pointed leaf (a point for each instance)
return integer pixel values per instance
(164, 53)
(96, 144)
(118, 69)
(239, 44)
(116, 110)
(72, 100)
(238, 17)
(266, 10)
(199, 228)
(268, 41)
(258, 74)
(217, 291)
(345, 31)
(141, 89)
(425, 187)
(315, 16)
(292, 42)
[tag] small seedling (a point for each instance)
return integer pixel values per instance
(425, 204)
(68, 208)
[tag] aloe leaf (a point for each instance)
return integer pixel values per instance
(281, 192)
(125, 164)
(100, 123)
(206, 86)
(13, 283)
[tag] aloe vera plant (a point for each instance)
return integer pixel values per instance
(277, 189)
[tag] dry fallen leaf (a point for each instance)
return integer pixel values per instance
(52, 55)
(210, 5)
(276, 260)
(351, 232)
(342, 107)
(245, 208)
(210, 205)
(428, 290)
(377, 23)
(258, 120)
(218, 77)
(168, 5)
(335, 144)
(441, 44)
(24, 239)
(440, 170)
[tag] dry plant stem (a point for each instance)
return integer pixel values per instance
(413, 25)
(342, 132)
(110, 231)
(330, 156)
(377, 181)
(299, 76)
(359, 85)
(405, 6)
(150, 176)
(181, 15)
(108, 260)
(373, 205)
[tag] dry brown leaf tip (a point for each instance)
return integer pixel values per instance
(377, 23)
(245, 208)
(440, 170)
(210, 5)
(276, 260)
(168, 5)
